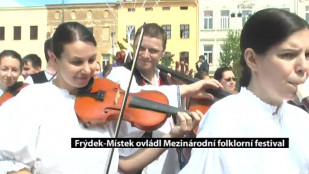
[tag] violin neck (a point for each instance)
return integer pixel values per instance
(137, 102)
(216, 93)
(178, 75)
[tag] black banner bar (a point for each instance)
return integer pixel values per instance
(179, 142)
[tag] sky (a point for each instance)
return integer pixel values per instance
(27, 3)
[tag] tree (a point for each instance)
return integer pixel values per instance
(231, 52)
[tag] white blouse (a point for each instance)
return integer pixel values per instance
(36, 128)
(245, 115)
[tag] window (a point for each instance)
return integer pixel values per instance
(73, 15)
(130, 30)
(167, 54)
(225, 20)
(184, 56)
(208, 20)
(184, 31)
(184, 8)
(106, 34)
(131, 9)
(166, 8)
(89, 14)
(307, 14)
(208, 53)
(148, 9)
(167, 29)
(17, 33)
(33, 32)
(105, 60)
(245, 15)
(2, 33)
(90, 29)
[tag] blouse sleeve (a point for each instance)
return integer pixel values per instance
(18, 135)
(206, 160)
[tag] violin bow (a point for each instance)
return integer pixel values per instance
(120, 118)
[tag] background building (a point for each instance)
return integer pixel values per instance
(217, 17)
(24, 30)
(101, 20)
(177, 17)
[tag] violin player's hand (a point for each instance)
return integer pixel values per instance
(197, 89)
(185, 124)
(183, 68)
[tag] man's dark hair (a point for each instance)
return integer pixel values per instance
(152, 30)
(47, 47)
(34, 59)
(219, 72)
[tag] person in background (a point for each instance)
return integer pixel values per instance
(97, 70)
(10, 69)
(120, 58)
(275, 59)
(49, 73)
(226, 77)
(107, 69)
(202, 64)
(31, 64)
(201, 75)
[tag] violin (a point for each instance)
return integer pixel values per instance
(202, 105)
(12, 91)
(102, 103)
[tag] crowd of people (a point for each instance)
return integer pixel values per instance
(38, 122)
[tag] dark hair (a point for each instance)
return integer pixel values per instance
(201, 75)
(34, 59)
(265, 29)
(152, 30)
(107, 69)
(47, 47)
(69, 32)
(12, 54)
(219, 72)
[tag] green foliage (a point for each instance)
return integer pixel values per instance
(231, 52)
(167, 60)
(121, 46)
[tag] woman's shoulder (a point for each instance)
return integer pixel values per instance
(35, 89)
(295, 112)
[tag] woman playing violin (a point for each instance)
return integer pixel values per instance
(275, 59)
(36, 137)
(10, 69)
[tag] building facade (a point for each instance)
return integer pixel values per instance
(100, 19)
(216, 18)
(24, 30)
(177, 17)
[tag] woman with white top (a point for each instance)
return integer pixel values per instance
(275, 59)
